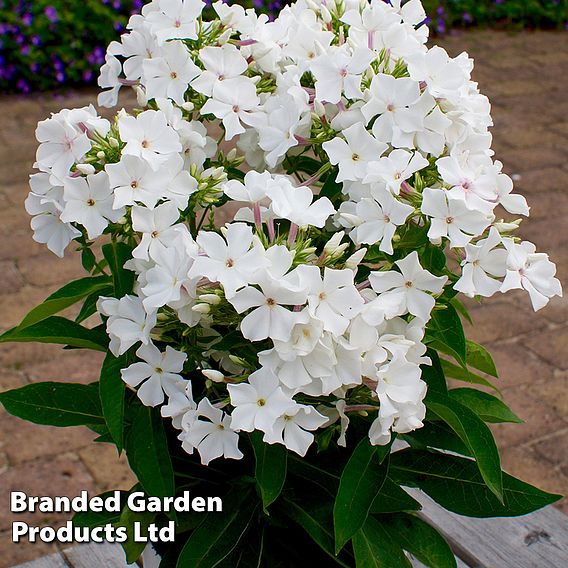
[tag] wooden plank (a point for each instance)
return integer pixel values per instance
(533, 541)
(417, 564)
(91, 555)
(51, 561)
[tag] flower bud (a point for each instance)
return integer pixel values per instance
(232, 154)
(353, 261)
(188, 106)
(333, 243)
(141, 97)
(85, 169)
(319, 109)
(504, 226)
(211, 299)
(201, 308)
(113, 142)
(256, 79)
(325, 15)
(212, 375)
(101, 155)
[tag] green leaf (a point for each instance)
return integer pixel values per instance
(89, 306)
(433, 259)
(55, 404)
(55, 329)
(270, 468)
(488, 407)
(316, 519)
(360, 483)
(305, 470)
(219, 533)
(433, 374)
(98, 519)
(456, 484)
(392, 498)
(479, 358)
(465, 375)
(422, 540)
(437, 435)
(461, 309)
(128, 518)
(148, 454)
(374, 547)
(445, 327)
(331, 189)
(111, 389)
(475, 434)
(116, 254)
(63, 298)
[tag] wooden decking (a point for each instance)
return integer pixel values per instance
(538, 540)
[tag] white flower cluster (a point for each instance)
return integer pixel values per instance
(292, 321)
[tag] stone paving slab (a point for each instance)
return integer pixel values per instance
(525, 76)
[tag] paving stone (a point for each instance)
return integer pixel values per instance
(77, 366)
(540, 419)
(495, 320)
(528, 466)
(62, 475)
(108, 470)
(518, 366)
(15, 356)
(48, 270)
(23, 441)
(551, 345)
(554, 449)
(12, 280)
(15, 306)
(553, 393)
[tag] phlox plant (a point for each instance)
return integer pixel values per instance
(276, 244)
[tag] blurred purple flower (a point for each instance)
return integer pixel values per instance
(60, 77)
(466, 17)
(25, 50)
(27, 19)
(23, 86)
(51, 14)
(36, 40)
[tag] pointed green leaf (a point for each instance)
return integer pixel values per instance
(219, 533)
(63, 298)
(55, 404)
(148, 454)
(111, 388)
(488, 407)
(422, 540)
(475, 434)
(116, 254)
(316, 519)
(433, 374)
(445, 327)
(479, 358)
(374, 547)
(465, 375)
(360, 483)
(392, 498)
(270, 468)
(456, 484)
(55, 329)
(127, 519)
